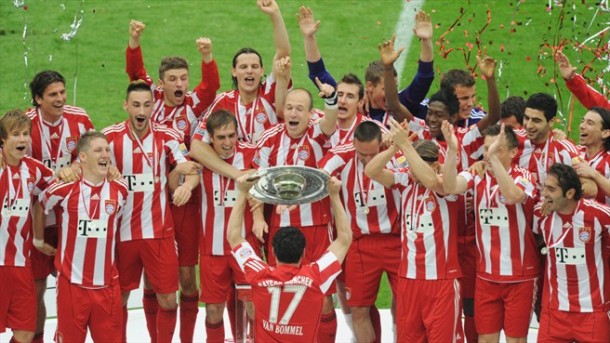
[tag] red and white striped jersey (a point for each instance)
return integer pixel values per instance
(218, 197)
(144, 165)
(252, 119)
(429, 231)
(470, 142)
(88, 220)
(577, 272)
(346, 136)
(601, 163)
(287, 299)
(276, 148)
(505, 241)
(54, 144)
(181, 118)
(539, 158)
(371, 208)
(18, 185)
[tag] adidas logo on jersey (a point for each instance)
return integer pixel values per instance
(16, 176)
(95, 197)
(54, 135)
(137, 150)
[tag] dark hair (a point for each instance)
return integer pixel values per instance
(605, 115)
(137, 86)
(41, 81)
(374, 72)
(448, 99)
(456, 77)
(171, 63)
(513, 106)
(289, 244)
(352, 79)
(218, 119)
(11, 120)
(567, 179)
(244, 51)
(86, 138)
(367, 131)
(543, 102)
(509, 133)
(306, 92)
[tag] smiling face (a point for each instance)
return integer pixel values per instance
(437, 112)
(537, 128)
(467, 97)
(224, 140)
(554, 198)
(592, 133)
(52, 101)
(139, 106)
(175, 84)
(297, 112)
(376, 94)
(248, 71)
(95, 159)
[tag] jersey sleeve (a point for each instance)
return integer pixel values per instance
(44, 178)
(525, 182)
(52, 196)
(206, 89)
(332, 163)
(329, 268)
(412, 96)
(175, 148)
(318, 69)
(469, 179)
(248, 261)
(587, 95)
(134, 65)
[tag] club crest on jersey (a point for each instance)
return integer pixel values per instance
(502, 199)
(430, 204)
(181, 123)
(584, 234)
(303, 153)
(110, 206)
(245, 253)
(150, 157)
(71, 143)
(30, 183)
(261, 117)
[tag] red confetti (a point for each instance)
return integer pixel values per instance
(25, 8)
(502, 47)
(527, 58)
(548, 8)
(469, 45)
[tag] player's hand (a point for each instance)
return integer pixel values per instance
(204, 45)
(246, 181)
(114, 173)
(135, 28)
(565, 68)
(182, 194)
(269, 7)
(70, 173)
(387, 52)
(260, 227)
(282, 68)
(254, 203)
(559, 134)
(469, 203)
(498, 143)
(584, 169)
(423, 26)
(189, 168)
(487, 65)
(309, 26)
(333, 186)
(44, 247)
(449, 134)
(399, 135)
(478, 168)
(326, 90)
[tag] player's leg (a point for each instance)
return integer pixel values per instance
(129, 265)
(106, 318)
(441, 310)
(73, 309)
(17, 302)
(489, 310)
(519, 299)
(42, 267)
(215, 274)
(410, 327)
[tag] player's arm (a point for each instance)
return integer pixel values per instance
(585, 171)
(412, 96)
(511, 192)
(280, 34)
(422, 170)
(589, 187)
(487, 66)
(315, 64)
(210, 80)
(236, 219)
(341, 244)
(585, 94)
(376, 170)
(328, 123)
(183, 193)
(133, 55)
(388, 56)
(38, 219)
(452, 182)
(282, 69)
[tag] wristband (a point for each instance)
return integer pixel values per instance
(38, 243)
(331, 101)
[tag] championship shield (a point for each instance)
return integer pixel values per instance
(289, 185)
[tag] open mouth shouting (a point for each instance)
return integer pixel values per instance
(179, 93)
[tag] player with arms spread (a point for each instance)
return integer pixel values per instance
(288, 298)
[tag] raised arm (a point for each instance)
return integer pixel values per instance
(282, 69)
(315, 64)
(280, 34)
(511, 192)
(388, 56)
(328, 123)
(452, 182)
(341, 244)
(210, 80)
(487, 66)
(134, 62)
(586, 95)
(236, 219)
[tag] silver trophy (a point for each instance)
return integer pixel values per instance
(289, 185)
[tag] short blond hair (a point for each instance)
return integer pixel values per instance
(13, 120)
